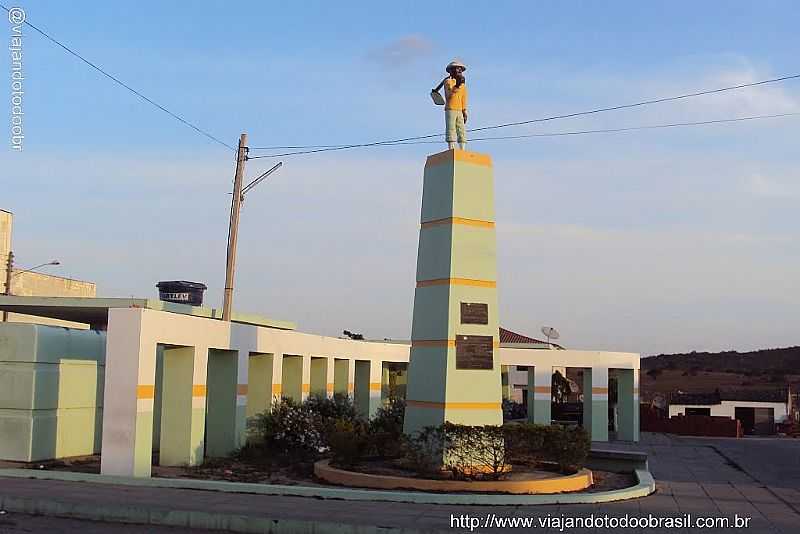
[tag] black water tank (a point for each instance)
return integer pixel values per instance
(181, 292)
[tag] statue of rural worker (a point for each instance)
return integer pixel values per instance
(455, 104)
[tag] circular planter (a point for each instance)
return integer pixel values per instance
(551, 484)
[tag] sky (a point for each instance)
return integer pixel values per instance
(652, 241)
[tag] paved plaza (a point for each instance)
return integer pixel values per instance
(757, 478)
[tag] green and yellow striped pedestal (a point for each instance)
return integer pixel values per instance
(454, 370)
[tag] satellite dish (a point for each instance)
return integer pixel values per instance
(550, 332)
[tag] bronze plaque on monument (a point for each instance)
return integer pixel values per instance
(474, 313)
(474, 352)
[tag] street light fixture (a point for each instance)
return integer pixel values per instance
(10, 273)
(32, 269)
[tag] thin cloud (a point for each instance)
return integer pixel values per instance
(768, 187)
(403, 51)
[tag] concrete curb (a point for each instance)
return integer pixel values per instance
(545, 486)
(645, 486)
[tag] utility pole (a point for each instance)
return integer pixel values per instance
(233, 228)
(9, 270)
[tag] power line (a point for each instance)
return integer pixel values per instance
(126, 86)
(310, 149)
(562, 134)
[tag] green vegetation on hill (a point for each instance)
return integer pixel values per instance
(764, 361)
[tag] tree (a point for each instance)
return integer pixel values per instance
(560, 388)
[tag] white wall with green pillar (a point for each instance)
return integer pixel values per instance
(132, 383)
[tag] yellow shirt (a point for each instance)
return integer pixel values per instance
(455, 98)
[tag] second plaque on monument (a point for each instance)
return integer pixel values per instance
(474, 352)
(474, 313)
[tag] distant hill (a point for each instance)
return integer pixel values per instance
(785, 360)
(704, 372)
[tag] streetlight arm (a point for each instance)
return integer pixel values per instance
(53, 262)
(260, 179)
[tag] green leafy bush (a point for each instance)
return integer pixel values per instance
(475, 452)
(327, 411)
(386, 429)
(349, 441)
(488, 452)
(525, 443)
(567, 447)
(340, 406)
(288, 431)
(423, 451)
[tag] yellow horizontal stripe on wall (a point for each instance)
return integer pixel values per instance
(276, 389)
(433, 342)
(457, 282)
(450, 343)
(350, 386)
(198, 390)
(241, 389)
(458, 220)
(599, 390)
(456, 405)
(458, 155)
(329, 386)
(541, 389)
(145, 392)
(306, 388)
(373, 386)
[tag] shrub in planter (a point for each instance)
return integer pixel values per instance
(525, 443)
(349, 441)
(327, 412)
(423, 451)
(386, 429)
(568, 447)
(475, 452)
(288, 431)
(340, 406)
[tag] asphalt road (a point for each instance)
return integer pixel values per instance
(18, 523)
(773, 462)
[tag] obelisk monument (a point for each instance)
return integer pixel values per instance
(454, 369)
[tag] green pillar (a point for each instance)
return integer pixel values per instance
(595, 402)
(586, 388)
(628, 404)
(376, 389)
(292, 378)
(318, 376)
(182, 407)
(340, 376)
(222, 433)
(259, 383)
(361, 390)
(454, 369)
(542, 395)
(157, 398)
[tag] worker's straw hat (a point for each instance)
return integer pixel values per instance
(455, 63)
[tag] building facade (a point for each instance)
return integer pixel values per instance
(35, 283)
